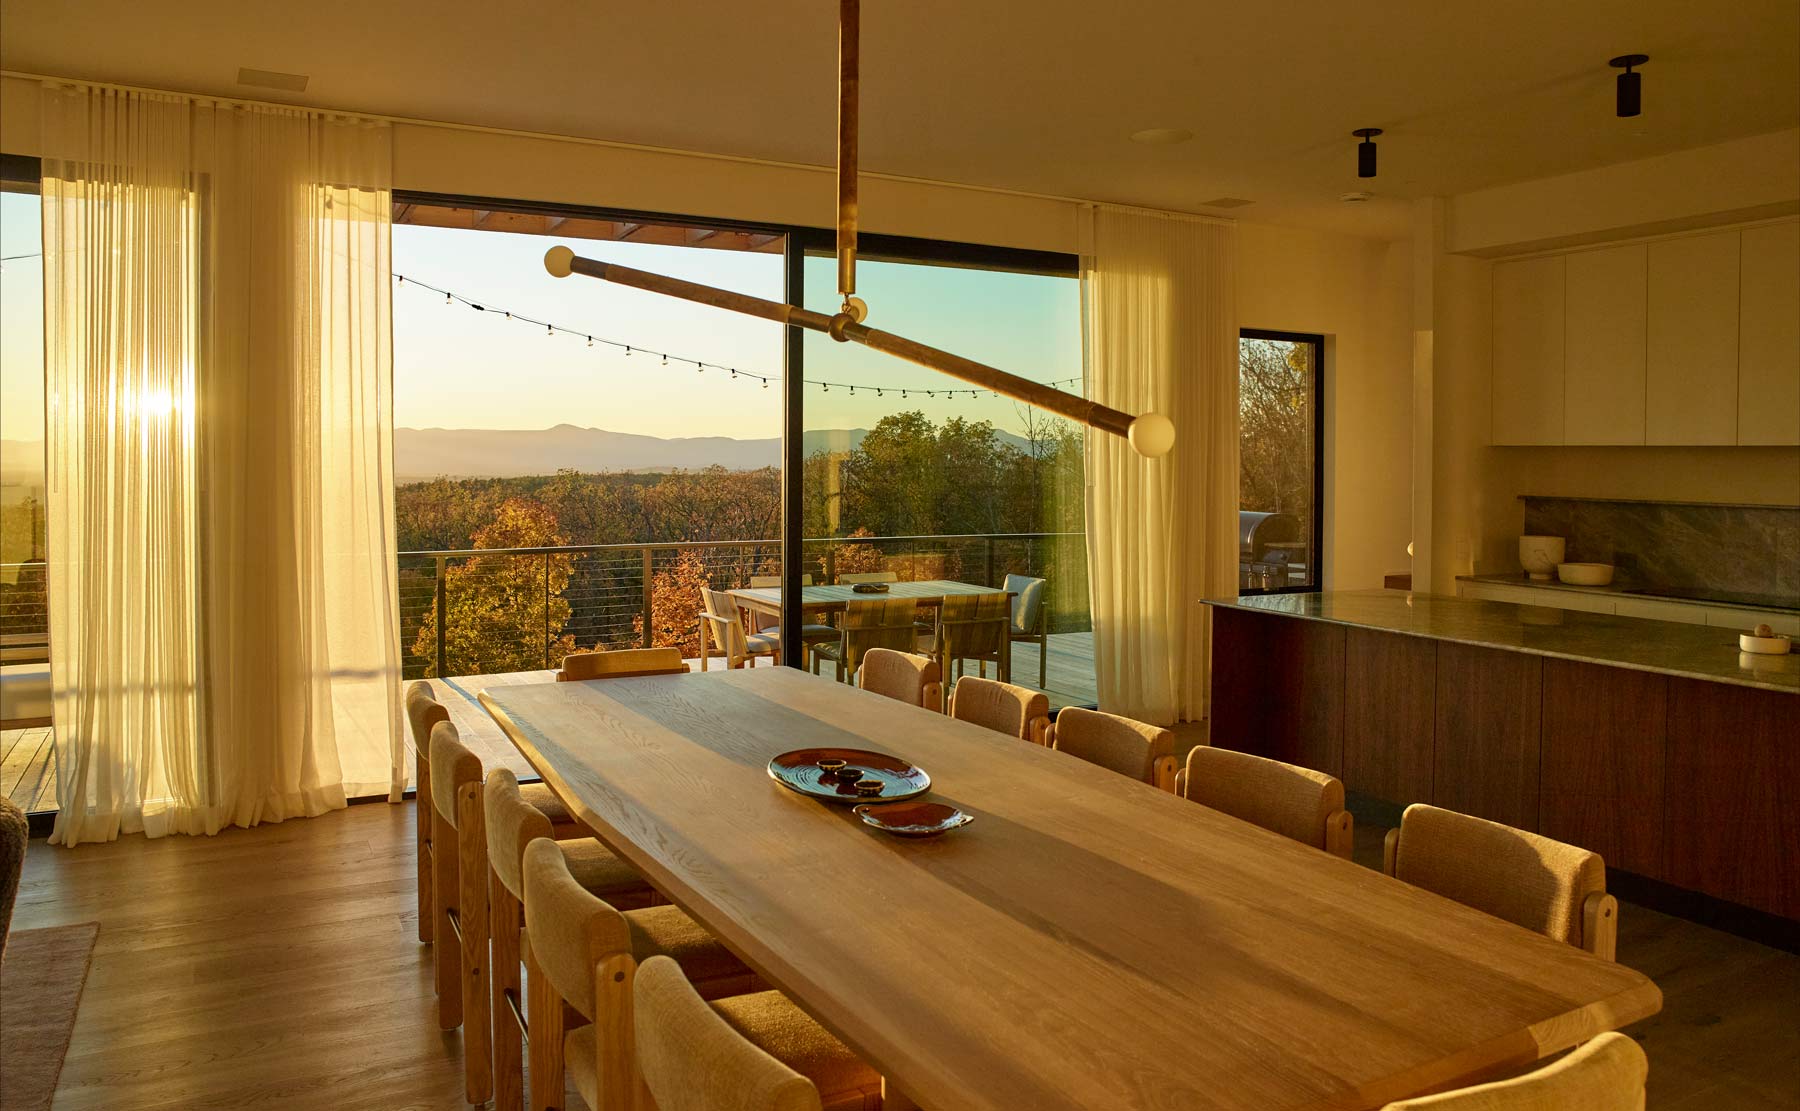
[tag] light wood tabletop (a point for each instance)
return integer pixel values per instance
(832, 598)
(1088, 942)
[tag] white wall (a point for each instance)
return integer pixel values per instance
(1357, 292)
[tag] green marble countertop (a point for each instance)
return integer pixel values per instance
(1671, 648)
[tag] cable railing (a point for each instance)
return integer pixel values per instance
(477, 611)
(24, 608)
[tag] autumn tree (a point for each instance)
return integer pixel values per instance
(1275, 434)
(506, 612)
(675, 604)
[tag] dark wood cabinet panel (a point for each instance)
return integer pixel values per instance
(1733, 805)
(1489, 709)
(1390, 686)
(1605, 731)
(1277, 688)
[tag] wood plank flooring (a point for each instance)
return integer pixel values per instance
(28, 768)
(278, 968)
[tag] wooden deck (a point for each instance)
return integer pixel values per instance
(28, 768)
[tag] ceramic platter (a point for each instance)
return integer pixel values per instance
(912, 819)
(801, 771)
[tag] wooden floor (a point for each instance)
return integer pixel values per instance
(279, 968)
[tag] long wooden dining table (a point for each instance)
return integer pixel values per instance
(1086, 942)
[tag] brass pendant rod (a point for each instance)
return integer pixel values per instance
(1151, 434)
(849, 84)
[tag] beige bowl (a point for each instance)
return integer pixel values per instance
(1585, 574)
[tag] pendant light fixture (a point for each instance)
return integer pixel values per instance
(1630, 85)
(1365, 150)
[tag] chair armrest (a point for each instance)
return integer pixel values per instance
(1181, 782)
(1050, 735)
(1164, 773)
(1039, 730)
(1340, 834)
(1600, 925)
(932, 697)
(1390, 853)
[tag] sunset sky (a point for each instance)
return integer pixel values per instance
(458, 368)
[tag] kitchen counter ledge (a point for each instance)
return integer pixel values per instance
(1665, 647)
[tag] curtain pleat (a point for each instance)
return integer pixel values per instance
(224, 638)
(1160, 332)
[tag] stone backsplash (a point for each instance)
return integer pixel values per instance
(1740, 549)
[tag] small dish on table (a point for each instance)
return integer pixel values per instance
(869, 588)
(848, 775)
(912, 819)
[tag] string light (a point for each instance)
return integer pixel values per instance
(550, 329)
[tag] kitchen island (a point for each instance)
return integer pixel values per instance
(1656, 744)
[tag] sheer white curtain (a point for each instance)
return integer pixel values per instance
(1160, 331)
(224, 637)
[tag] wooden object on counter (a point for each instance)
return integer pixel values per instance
(1256, 972)
(1489, 703)
(1605, 730)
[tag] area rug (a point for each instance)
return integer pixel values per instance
(41, 978)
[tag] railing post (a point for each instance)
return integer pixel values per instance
(441, 590)
(649, 607)
(546, 611)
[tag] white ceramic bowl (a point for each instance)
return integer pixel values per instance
(1539, 555)
(1585, 574)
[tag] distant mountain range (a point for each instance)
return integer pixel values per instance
(422, 453)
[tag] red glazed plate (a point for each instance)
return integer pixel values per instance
(913, 819)
(799, 771)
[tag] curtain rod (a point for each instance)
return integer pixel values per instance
(610, 144)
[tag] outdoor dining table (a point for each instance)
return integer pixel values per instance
(1086, 942)
(835, 598)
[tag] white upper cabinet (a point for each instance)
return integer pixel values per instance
(1691, 364)
(1604, 355)
(1769, 336)
(1528, 351)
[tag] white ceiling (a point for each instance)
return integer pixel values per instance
(1033, 96)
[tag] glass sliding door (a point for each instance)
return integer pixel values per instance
(918, 477)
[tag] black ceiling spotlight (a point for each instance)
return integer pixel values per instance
(1631, 85)
(1365, 150)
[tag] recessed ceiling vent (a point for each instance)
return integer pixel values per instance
(270, 79)
(1227, 202)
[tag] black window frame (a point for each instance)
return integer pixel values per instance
(1316, 557)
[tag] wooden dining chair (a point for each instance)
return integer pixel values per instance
(583, 952)
(868, 623)
(1606, 1073)
(1002, 707)
(1030, 619)
(512, 825)
(1295, 802)
(423, 711)
(460, 904)
(1557, 889)
(746, 1053)
(1146, 753)
(721, 618)
(972, 627)
(620, 663)
(811, 633)
(851, 578)
(904, 676)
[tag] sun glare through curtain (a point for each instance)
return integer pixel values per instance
(1160, 331)
(224, 634)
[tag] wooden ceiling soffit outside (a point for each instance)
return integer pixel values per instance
(582, 227)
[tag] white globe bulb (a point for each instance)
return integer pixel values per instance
(1152, 435)
(560, 261)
